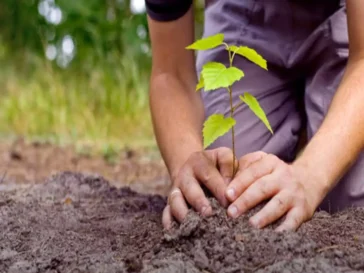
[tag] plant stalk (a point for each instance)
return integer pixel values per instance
(232, 108)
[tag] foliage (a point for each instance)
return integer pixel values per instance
(215, 126)
(215, 76)
(253, 104)
(96, 98)
(98, 28)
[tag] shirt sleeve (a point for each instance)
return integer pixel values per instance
(167, 10)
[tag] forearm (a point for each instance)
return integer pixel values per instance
(340, 138)
(177, 118)
(177, 109)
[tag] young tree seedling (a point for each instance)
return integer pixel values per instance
(215, 75)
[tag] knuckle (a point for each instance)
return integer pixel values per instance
(255, 172)
(273, 158)
(264, 187)
(280, 203)
(224, 151)
(238, 182)
(243, 203)
(205, 176)
(287, 175)
(274, 161)
(172, 198)
(260, 154)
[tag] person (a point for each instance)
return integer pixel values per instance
(315, 81)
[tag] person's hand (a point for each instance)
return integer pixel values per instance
(211, 169)
(262, 176)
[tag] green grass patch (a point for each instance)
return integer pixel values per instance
(107, 105)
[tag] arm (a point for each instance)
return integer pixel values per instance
(344, 122)
(178, 115)
(177, 110)
(296, 190)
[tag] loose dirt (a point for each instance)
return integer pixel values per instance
(79, 223)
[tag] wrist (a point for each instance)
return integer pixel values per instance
(314, 180)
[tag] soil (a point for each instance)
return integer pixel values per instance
(33, 162)
(81, 223)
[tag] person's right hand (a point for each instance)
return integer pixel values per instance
(212, 169)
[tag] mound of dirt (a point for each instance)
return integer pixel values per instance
(77, 223)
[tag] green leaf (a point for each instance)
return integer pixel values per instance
(250, 54)
(200, 84)
(254, 105)
(207, 42)
(216, 75)
(216, 126)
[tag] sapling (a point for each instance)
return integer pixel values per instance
(215, 75)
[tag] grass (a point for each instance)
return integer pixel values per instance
(106, 107)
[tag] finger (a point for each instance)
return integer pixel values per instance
(167, 217)
(194, 194)
(225, 162)
(206, 173)
(259, 191)
(246, 160)
(271, 212)
(245, 177)
(295, 217)
(178, 205)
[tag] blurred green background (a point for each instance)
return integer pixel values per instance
(76, 71)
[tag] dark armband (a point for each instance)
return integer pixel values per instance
(167, 10)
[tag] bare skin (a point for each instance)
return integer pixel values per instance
(295, 189)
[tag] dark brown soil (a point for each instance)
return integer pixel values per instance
(77, 223)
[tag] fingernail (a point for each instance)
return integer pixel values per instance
(233, 211)
(231, 193)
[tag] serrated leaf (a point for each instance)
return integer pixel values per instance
(207, 42)
(201, 83)
(216, 126)
(250, 54)
(216, 75)
(254, 105)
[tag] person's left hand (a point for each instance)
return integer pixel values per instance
(292, 191)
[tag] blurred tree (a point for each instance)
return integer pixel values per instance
(88, 31)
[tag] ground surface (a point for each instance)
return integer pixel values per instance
(23, 162)
(77, 223)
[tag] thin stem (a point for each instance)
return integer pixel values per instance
(232, 57)
(232, 108)
(232, 129)
(237, 105)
